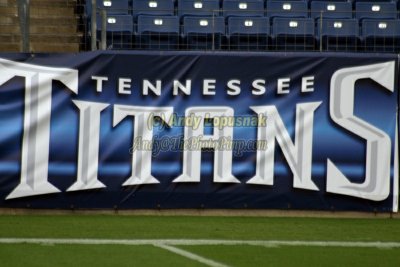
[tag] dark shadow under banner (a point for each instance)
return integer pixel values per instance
(140, 130)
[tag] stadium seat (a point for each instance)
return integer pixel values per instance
(376, 1)
(381, 35)
(120, 7)
(338, 34)
(290, 9)
(198, 8)
(248, 33)
(157, 32)
(375, 10)
(329, 9)
(246, 8)
(119, 30)
(204, 33)
(291, 0)
(310, 1)
(153, 7)
(293, 34)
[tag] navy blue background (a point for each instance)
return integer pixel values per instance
(373, 104)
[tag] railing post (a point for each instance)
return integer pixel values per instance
(103, 45)
(320, 31)
(23, 14)
(213, 34)
(93, 25)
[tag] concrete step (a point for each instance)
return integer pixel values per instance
(52, 47)
(8, 3)
(10, 47)
(10, 38)
(54, 3)
(10, 29)
(52, 21)
(9, 20)
(42, 3)
(52, 11)
(55, 29)
(7, 11)
(53, 26)
(56, 39)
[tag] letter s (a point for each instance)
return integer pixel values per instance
(376, 185)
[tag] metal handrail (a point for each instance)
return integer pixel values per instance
(23, 14)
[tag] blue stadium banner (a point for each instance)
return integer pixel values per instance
(143, 130)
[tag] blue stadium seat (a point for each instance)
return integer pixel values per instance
(248, 33)
(120, 7)
(290, 9)
(204, 33)
(198, 8)
(114, 7)
(329, 9)
(222, 1)
(157, 32)
(338, 34)
(376, 1)
(246, 8)
(119, 29)
(293, 33)
(153, 7)
(381, 35)
(290, 0)
(376, 10)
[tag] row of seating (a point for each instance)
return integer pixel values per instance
(159, 32)
(271, 8)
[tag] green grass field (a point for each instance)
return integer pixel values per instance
(184, 248)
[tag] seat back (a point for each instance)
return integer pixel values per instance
(204, 33)
(114, 6)
(293, 34)
(372, 28)
(198, 8)
(337, 28)
(287, 9)
(329, 9)
(243, 8)
(293, 26)
(153, 7)
(376, 10)
(381, 35)
(116, 23)
(119, 31)
(158, 24)
(203, 25)
(248, 25)
(157, 32)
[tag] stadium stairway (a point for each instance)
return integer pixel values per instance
(53, 26)
(10, 33)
